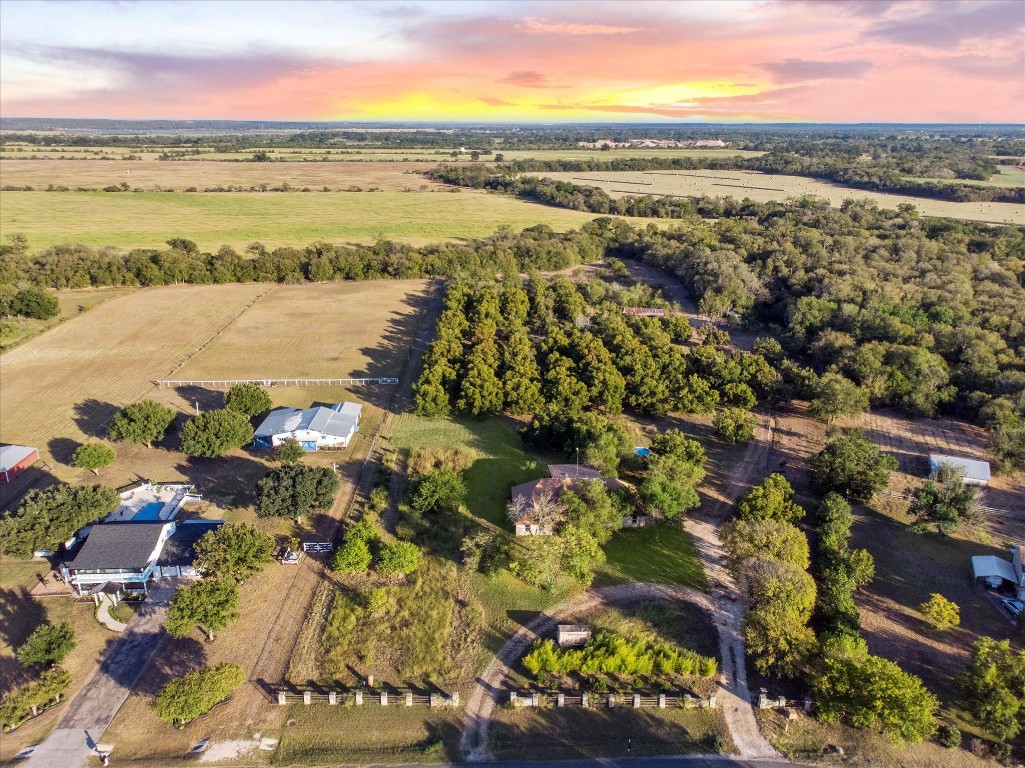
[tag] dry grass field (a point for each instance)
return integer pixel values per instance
(180, 175)
(63, 387)
(72, 303)
(148, 219)
(324, 330)
(764, 187)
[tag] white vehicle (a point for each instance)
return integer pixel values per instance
(1014, 607)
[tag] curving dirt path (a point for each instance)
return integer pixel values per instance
(727, 614)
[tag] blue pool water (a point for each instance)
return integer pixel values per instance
(643, 451)
(150, 512)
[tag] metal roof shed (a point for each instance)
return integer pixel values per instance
(975, 472)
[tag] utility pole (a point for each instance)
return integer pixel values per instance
(197, 407)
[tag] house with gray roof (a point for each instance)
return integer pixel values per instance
(124, 557)
(314, 428)
(973, 471)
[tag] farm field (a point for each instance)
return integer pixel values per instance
(764, 187)
(1007, 176)
(63, 387)
(147, 220)
(72, 303)
(202, 173)
(325, 330)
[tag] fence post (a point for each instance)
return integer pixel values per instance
(560, 700)
(409, 698)
(612, 700)
(282, 701)
(455, 698)
(513, 698)
(585, 700)
(306, 697)
(807, 705)
(434, 700)
(332, 697)
(359, 698)
(534, 700)
(711, 701)
(384, 698)
(661, 701)
(763, 698)
(637, 701)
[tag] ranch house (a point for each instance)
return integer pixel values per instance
(534, 494)
(123, 557)
(314, 428)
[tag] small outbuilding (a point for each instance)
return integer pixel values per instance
(314, 428)
(15, 459)
(568, 635)
(997, 573)
(975, 472)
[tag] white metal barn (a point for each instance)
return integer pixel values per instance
(975, 472)
(314, 428)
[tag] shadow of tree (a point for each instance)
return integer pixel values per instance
(93, 416)
(229, 479)
(32, 479)
(62, 449)
(174, 658)
(20, 614)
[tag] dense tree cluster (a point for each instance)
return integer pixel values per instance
(214, 433)
(867, 691)
(295, 490)
(49, 644)
(46, 519)
(567, 354)
(994, 682)
(30, 301)
(839, 569)
(24, 702)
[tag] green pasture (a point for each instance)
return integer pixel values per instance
(148, 219)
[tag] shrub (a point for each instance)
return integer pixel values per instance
(49, 644)
(196, 693)
(735, 425)
(93, 456)
(353, 556)
(941, 612)
(399, 557)
(141, 422)
(948, 736)
(214, 433)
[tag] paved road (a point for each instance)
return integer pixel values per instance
(89, 714)
(657, 761)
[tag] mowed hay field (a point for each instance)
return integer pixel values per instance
(182, 174)
(148, 219)
(763, 187)
(63, 387)
(328, 330)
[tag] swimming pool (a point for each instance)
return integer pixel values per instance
(150, 512)
(641, 451)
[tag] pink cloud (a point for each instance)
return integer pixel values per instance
(545, 27)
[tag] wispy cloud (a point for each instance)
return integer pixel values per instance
(943, 25)
(528, 79)
(546, 27)
(802, 70)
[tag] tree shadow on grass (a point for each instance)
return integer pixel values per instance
(32, 479)
(62, 449)
(206, 399)
(400, 346)
(174, 658)
(230, 480)
(93, 416)
(20, 614)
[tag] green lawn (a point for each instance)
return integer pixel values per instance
(499, 460)
(325, 735)
(573, 733)
(664, 553)
(148, 219)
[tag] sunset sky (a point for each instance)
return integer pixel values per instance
(741, 60)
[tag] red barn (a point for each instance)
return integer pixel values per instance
(15, 459)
